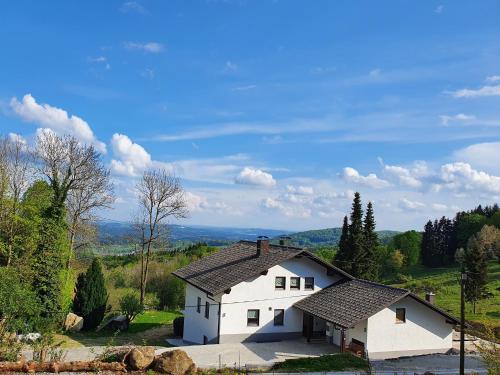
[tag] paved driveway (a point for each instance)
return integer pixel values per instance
(260, 354)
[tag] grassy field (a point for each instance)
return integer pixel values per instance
(333, 362)
(150, 328)
(444, 282)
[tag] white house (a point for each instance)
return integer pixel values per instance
(255, 291)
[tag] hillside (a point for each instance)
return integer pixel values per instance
(330, 236)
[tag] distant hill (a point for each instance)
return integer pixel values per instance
(111, 232)
(330, 236)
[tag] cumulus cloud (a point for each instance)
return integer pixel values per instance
(462, 117)
(289, 210)
(352, 175)
(492, 79)
(195, 202)
(409, 205)
(17, 138)
(250, 176)
(301, 190)
(484, 155)
(130, 159)
(149, 47)
(474, 93)
(461, 176)
(410, 177)
(56, 119)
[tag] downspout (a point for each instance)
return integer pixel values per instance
(218, 323)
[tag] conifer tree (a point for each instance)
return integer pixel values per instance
(91, 296)
(343, 253)
(426, 245)
(370, 265)
(477, 271)
(356, 238)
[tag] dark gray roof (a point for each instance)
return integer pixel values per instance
(350, 301)
(228, 267)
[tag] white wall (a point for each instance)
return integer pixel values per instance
(425, 330)
(195, 324)
(358, 332)
(260, 293)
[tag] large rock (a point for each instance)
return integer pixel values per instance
(175, 362)
(141, 358)
(73, 323)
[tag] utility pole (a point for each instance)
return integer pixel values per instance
(463, 278)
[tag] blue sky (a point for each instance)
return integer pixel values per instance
(272, 112)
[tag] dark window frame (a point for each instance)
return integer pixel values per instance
(400, 319)
(310, 285)
(253, 322)
(298, 283)
(284, 283)
(280, 316)
(207, 310)
(198, 305)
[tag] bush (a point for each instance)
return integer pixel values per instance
(91, 296)
(179, 326)
(131, 306)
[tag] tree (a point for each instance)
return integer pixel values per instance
(91, 296)
(161, 197)
(409, 243)
(476, 267)
(489, 239)
(356, 238)
(131, 306)
(342, 254)
(371, 267)
(467, 225)
(427, 244)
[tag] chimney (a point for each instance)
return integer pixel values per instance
(430, 297)
(284, 240)
(262, 245)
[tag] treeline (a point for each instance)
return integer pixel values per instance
(442, 238)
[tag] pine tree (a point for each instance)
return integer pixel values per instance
(477, 271)
(426, 250)
(343, 253)
(370, 267)
(91, 296)
(356, 238)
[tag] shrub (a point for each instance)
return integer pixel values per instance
(179, 326)
(91, 296)
(131, 306)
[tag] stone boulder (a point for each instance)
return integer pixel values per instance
(140, 358)
(175, 362)
(73, 323)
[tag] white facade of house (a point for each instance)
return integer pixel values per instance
(423, 331)
(257, 293)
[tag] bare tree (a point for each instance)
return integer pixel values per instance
(16, 172)
(82, 203)
(161, 197)
(78, 178)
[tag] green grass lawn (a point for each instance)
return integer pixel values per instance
(151, 328)
(444, 282)
(333, 362)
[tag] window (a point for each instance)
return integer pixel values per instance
(400, 315)
(295, 283)
(279, 282)
(207, 309)
(279, 317)
(253, 318)
(309, 283)
(198, 305)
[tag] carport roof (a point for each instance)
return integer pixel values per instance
(349, 302)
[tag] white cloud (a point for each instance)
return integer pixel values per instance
(323, 69)
(438, 207)
(133, 6)
(474, 93)
(301, 190)
(445, 119)
(195, 202)
(99, 59)
(148, 73)
(492, 79)
(230, 67)
(17, 138)
(461, 176)
(371, 180)
(250, 176)
(130, 158)
(55, 119)
(149, 47)
(484, 155)
(288, 210)
(407, 204)
(439, 9)
(244, 88)
(410, 177)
